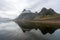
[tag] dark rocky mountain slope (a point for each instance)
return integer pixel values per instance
(28, 15)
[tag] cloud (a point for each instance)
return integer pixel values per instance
(39, 4)
(12, 8)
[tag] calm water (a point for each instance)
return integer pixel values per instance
(11, 31)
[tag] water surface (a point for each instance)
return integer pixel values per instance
(11, 31)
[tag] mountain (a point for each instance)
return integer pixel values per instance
(45, 12)
(28, 15)
(51, 12)
(26, 11)
(47, 20)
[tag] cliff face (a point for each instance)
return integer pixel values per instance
(28, 15)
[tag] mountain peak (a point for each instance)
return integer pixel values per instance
(51, 11)
(44, 8)
(43, 11)
(26, 11)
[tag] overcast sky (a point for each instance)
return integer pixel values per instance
(12, 8)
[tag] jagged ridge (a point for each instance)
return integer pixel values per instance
(28, 15)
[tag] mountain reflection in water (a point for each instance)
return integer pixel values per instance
(43, 27)
(11, 31)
